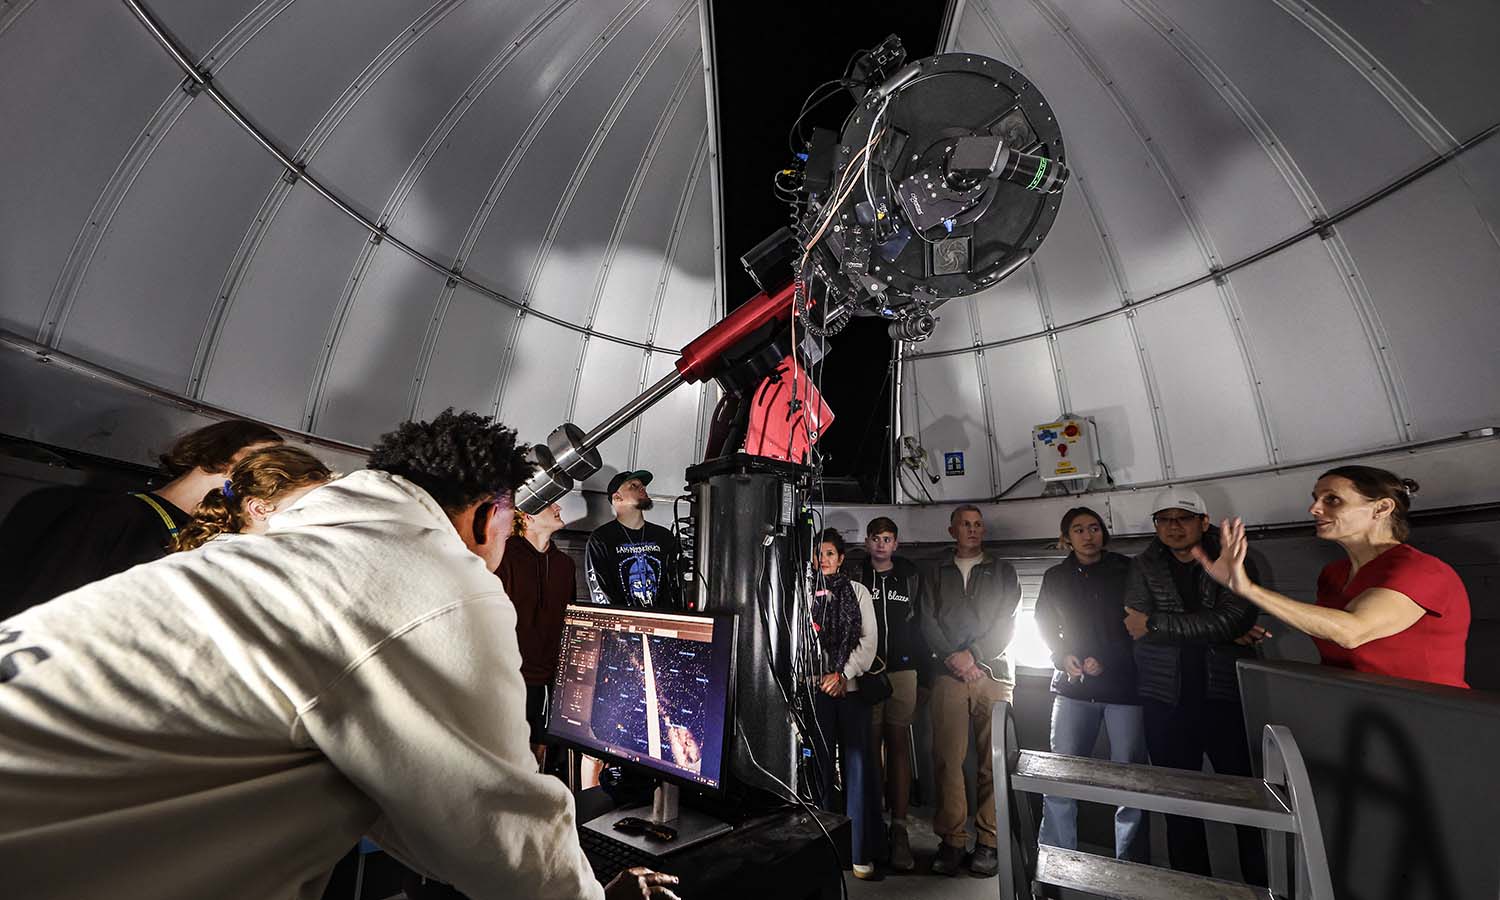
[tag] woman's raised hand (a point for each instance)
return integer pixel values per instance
(1229, 568)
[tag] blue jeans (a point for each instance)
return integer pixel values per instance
(845, 723)
(1075, 727)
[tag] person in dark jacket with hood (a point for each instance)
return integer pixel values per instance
(968, 624)
(541, 581)
(1078, 614)
(895, 584)
(1190, 631)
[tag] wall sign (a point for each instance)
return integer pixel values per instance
(953, 463)
(1065, 450)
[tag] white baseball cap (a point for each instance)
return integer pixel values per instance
(1179, 498)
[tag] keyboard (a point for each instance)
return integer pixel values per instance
(610, 857)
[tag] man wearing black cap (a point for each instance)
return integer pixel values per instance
(631, 562)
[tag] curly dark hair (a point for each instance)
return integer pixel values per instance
(459, 458)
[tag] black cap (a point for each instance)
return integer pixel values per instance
(622, 477)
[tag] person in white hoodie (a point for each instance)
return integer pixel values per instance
(227, 722)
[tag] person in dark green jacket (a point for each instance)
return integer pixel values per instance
(967, 624)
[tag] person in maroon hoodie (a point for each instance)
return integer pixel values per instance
(541, 581)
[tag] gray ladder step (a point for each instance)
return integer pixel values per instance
(1106, 877)
(1217, 798)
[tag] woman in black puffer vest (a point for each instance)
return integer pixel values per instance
(843, 618)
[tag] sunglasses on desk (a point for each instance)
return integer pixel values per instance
(633, 825)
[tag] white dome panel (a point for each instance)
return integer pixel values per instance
(683, 301)
(202, 27)
(1343, 136)
(278, 327)
(942, 402)
(1105, 146)
(611, 375)
(377, 131)
(1209, 412)
(374, 365)
(462, 354)
(539, 377)
(511, 242)
(147, 299)
(1077, 273)
(1207, 136)
(332, 41)
(1023, 393)
(60, 117)
(480, 139)
(1444, 52)
(658, 200)
(1009, 309)
(1102, 378)
(577, 238)
(1227, 184)
(560, 155)
(1480, 171)
(955, 322)
(1433, 270)
(670, 436)
(1319, 354)
(553, 152)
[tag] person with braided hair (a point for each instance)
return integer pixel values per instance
(843, 618)
(64, 537)
(257, 487)
(229, 722)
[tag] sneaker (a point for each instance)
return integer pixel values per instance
(985, 862)
(866, 872)
(947, 860)
(901, 860)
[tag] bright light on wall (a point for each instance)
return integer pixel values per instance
(1027, 647)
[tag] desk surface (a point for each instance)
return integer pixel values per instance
(782, 855)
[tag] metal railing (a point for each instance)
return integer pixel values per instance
(1281, 802)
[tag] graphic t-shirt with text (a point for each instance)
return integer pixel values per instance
(632, 567)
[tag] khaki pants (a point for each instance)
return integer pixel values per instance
(958, 711)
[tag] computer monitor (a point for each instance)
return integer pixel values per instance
(648, 689)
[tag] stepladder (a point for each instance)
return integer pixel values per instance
(1280, 803)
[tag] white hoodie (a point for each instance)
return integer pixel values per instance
(227, 722)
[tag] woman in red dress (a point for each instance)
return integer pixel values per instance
(1388, 608)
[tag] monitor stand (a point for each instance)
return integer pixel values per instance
(692, 827)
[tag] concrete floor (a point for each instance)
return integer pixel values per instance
(918, 884)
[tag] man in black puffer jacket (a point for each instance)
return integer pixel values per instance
(1190, 631)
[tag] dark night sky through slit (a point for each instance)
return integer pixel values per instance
(770, 57)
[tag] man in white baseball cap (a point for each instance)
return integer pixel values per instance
(1189, 632)
(1181, 498)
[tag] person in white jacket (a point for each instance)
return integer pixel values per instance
(227, 722)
